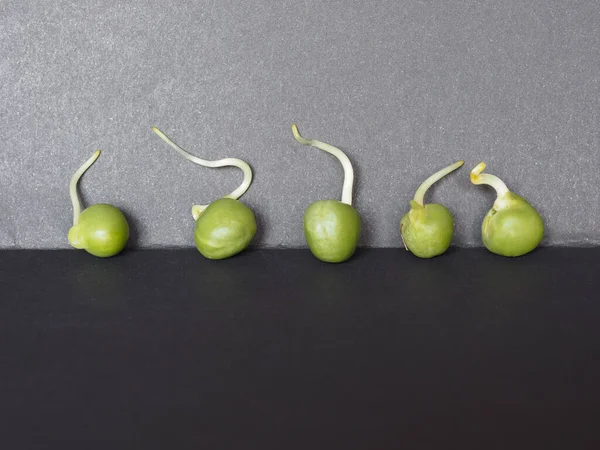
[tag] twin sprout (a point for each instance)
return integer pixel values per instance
(511, 228)
(223, 228)
(332, 228)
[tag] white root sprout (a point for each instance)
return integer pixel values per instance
(225, 162)
(341, 156)
(420, 194)
(73, 186)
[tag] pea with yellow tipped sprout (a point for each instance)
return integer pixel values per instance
(512, 227)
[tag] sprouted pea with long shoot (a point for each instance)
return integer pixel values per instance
(101, 229)
(332, 227)
(226, 226)
(427, 229)
(512, 227)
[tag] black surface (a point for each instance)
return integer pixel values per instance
(273, 349)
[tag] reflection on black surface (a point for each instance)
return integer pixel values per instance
(98, 284)
(134, 348)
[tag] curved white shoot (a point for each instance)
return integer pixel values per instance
(73, 185)
(225, 162)
(477, 177)
(341, 156)
(420, 194)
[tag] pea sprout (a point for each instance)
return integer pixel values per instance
(73, 185)
(420, 194)
(342, 158)
(478, 177)
(225, 162)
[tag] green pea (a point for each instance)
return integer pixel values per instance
(427, 229)
(100, 229)
(512, 227)
(332, 230)
(331, 227)
(226, 226)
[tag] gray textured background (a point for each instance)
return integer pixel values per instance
(404, 87)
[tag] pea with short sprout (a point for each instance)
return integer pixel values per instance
(427, 229)
(101, 229)
(512, 227)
